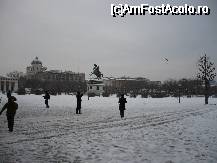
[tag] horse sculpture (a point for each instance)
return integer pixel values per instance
(96, 72)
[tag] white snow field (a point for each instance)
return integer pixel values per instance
(154, 130)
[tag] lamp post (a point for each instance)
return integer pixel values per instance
(179, 91)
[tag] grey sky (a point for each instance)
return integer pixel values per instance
(75, 34)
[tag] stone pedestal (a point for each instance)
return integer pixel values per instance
(95, 87)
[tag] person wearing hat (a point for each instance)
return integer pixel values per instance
(11, 107)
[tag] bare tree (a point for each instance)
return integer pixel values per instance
(206, 73)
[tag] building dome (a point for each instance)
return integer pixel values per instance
(36, 61)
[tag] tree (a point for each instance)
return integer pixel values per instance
(206, 73)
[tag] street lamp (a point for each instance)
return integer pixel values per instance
(179, 91)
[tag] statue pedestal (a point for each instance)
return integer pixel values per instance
(95, 87)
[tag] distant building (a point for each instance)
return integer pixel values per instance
(125, 84)
(123, 81)
(15, 74)
(56, 75)
(38, 71)
(36, 67)
(156, 83)
(7, 83)
(213, 83)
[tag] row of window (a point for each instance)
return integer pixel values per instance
(57, 77)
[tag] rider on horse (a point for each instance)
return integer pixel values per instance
(97, 72)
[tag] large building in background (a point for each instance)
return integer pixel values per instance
(130, 85)
(124, 81)
(36, 67)
(57, 75)
(15, 74)
(8, 84)
(38, 71)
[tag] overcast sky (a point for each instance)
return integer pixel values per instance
(75, 34)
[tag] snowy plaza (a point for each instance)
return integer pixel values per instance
(154, 130)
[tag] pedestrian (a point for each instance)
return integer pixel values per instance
(122, 102)
(8, 94)
(78, 96)
(11, 107)
(46, 97)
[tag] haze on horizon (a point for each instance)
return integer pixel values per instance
(73, 35)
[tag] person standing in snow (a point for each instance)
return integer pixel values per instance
(11, 107)
(122, 102)
(78, 96)
(8, 94)
(46, 97)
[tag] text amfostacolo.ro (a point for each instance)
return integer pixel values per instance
(164, 9)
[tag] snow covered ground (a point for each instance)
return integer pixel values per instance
(153, 131)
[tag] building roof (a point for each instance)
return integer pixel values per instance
(36, 61)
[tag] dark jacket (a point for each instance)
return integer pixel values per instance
(122, 102)
(78, 96)
(46, 96)
(8, 94)
(11, 107)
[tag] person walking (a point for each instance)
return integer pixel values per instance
(46, 97)
(78, 96)
(8, 94)
(11, 107)
(122, 102)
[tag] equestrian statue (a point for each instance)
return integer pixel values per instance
(96, 72)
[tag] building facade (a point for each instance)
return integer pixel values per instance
(56, 75)
(36, 67)
(8, 84)
(38, 71)
(129, 85)
(15, 74)
(124, 81)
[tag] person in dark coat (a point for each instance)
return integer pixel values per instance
(46, 97)
(11, 107)
(122, 102)
(78, 96)
(8, 94)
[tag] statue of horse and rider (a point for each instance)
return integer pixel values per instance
(96, 72)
